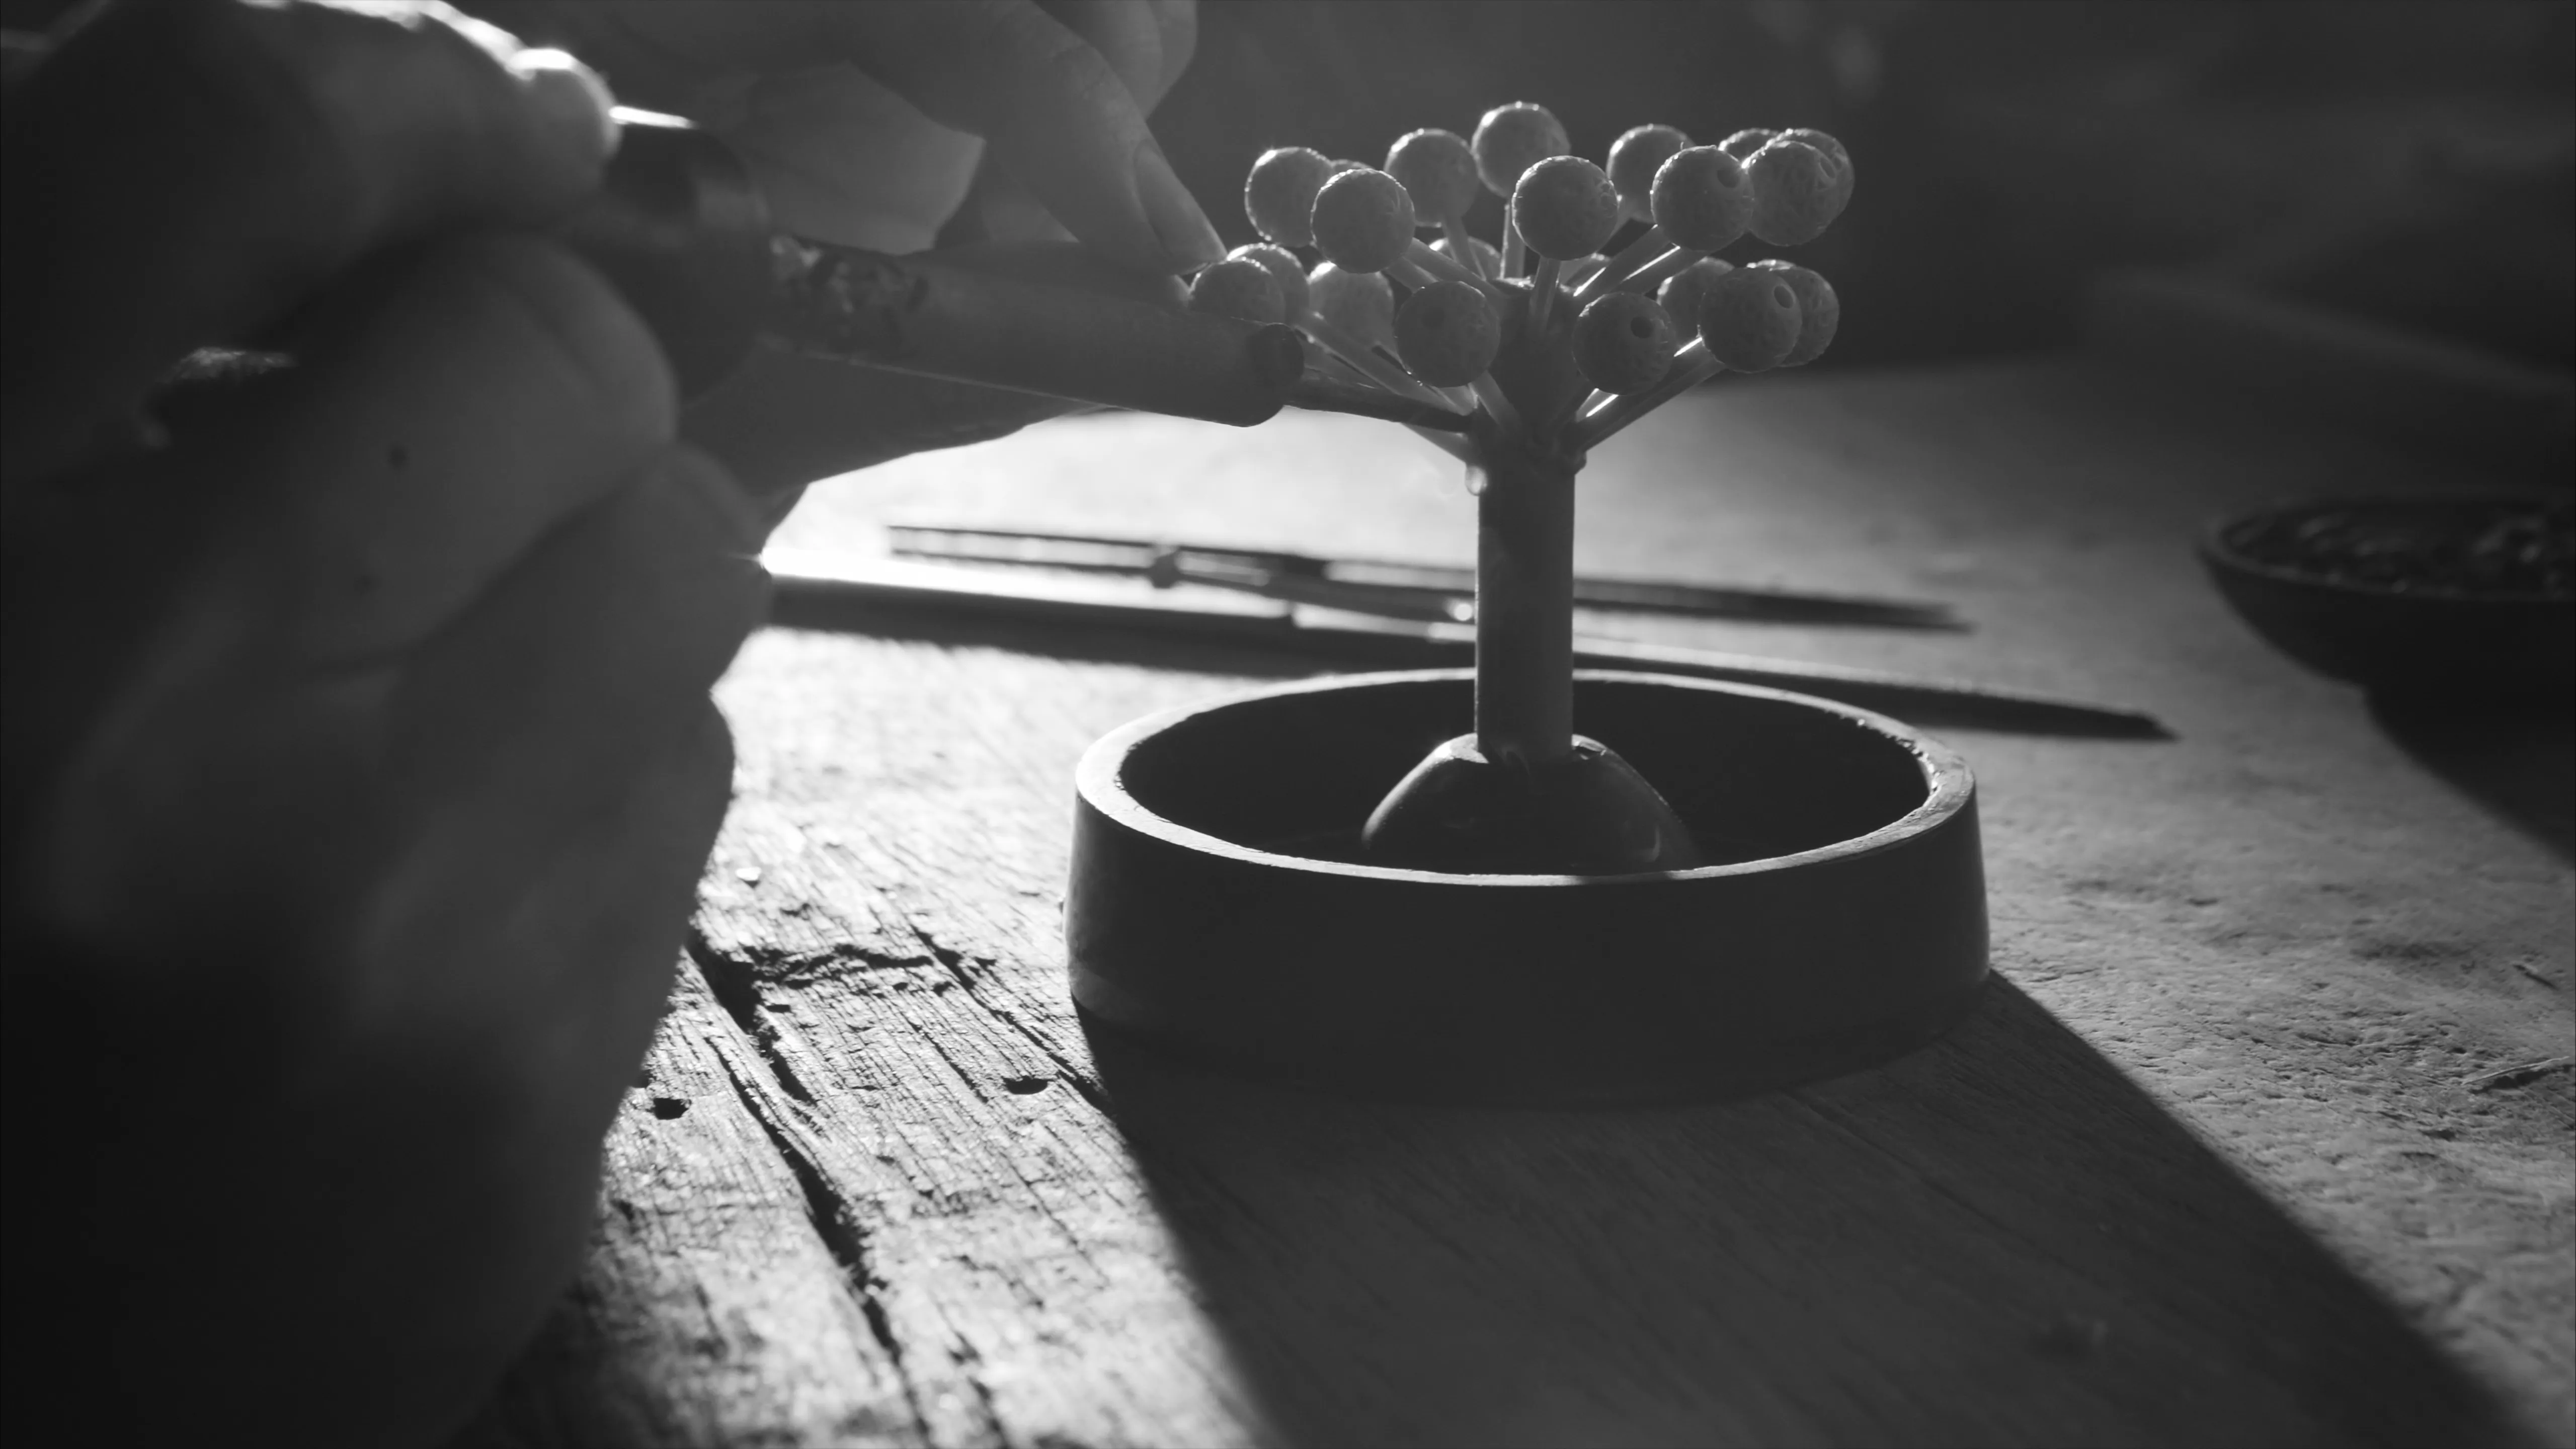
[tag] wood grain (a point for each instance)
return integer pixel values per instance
(2202, 1169)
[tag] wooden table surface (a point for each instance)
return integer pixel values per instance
(2212, 1163)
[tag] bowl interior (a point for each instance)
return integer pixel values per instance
(2477, 549)
(1754, 775)
(2451, 622)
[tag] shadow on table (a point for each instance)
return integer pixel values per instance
(2516, 759)
(1057, 639)
(1998, 1239)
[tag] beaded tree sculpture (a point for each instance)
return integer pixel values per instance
(1523, 358)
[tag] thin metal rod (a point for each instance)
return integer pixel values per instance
(1489, 394)
(1542, 300)
(1691, 367)
(1357, 352)
(1094, 551)
(1650, 276)
(1321, 392)
(1650, 243)
(843, 591)
(1455, 228)
(1443, 269)
(1453, 444)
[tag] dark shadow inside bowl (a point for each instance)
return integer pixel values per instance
(1753, 777)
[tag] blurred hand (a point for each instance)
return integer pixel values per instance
(863, 121)
(359, 760)
(870, 125)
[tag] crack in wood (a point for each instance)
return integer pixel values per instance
(841, 1237)
(737, 989)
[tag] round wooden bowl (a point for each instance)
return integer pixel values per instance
(1218, 909)
(2413, 641)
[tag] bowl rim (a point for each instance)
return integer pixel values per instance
(1949, 787)
(2215, 548)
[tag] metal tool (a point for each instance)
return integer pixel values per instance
(1398, 589)
(682, 230)
(833, 590)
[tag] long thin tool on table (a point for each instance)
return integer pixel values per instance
(828, 590)
(1407, 589)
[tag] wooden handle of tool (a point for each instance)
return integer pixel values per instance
(680, 227)
(918, 314)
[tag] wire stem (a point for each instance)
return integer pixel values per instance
(1650, 276)
(1648, 245)
(1455, 228)
(1542, 302)
(1365, 358)
(1691, 367)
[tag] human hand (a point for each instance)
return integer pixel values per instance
(359, 761)
(865, 124)
(870, 125)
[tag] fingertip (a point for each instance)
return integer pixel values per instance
(569, 111)
(733, 524)
(714, 527)
(1189, 241)
(1053, 109)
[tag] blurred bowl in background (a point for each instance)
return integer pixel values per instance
(2468, 596)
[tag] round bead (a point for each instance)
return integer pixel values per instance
(1446, 334)
(1239, 287)
(1797, 192)
(1623, 342)
(1750, 320)
(1744, 143)
(1279, 193)
(1565, 207)
(1363, 220)
(1820, 141)
(1684, 291)
(1819, 310)
(1702, 198)
(1284, 269)
(1832, 148)
(1634, 159)
(1359, 303)
(1511, 139)
(1439, 171)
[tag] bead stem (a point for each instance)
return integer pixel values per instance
(1321, 390)
(1490, 394)
(1411, 273)
(1455, 228)
(1650, 276)
(1360, 355)
(1649, 245)
(1542, 299)
(1451, 444)
(1691, 367)
(1439, 268)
